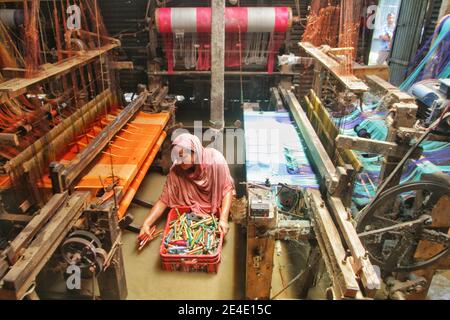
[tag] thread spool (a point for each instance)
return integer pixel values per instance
(198, 20)
(12, 18)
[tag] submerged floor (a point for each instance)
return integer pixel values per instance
(146, 279)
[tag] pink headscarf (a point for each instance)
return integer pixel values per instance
(202, 189)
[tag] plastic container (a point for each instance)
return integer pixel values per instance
(188, 263)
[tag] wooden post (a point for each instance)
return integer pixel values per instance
(217, 64)
(404, 116)
(312, 267)
(112, 282)
(260, 250)
(317, 83)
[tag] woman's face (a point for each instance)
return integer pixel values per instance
(186, 158)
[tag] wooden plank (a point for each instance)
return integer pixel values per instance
(341, 272)
(361, 71)
(380, 84)
(440, 214)
(24, 238)
(384, 148)
(403, 97)
(335, 287)
(12, 88)
(15, 217)
(321, 160)
(122, 65)
(9, 139)
(22, 274)
(112, 281)
(405, 114)
(351, 82)
(259, 269)
(362, 265)
(9, 73)
(444, 263)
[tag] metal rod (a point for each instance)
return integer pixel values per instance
(227, 73)
(408, 224)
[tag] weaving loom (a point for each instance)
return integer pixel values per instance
(435, 154)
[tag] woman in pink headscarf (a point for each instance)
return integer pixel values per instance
(199, 179)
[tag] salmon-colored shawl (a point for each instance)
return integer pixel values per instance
(204, 188)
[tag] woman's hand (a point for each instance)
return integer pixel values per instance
(145, 229)
(224, 226)
(154, 214)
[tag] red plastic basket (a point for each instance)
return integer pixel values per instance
(188, 263)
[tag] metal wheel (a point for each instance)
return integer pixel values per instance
(83, 249)
(88, 236)
(392, 227)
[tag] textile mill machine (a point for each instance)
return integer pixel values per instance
(73, 151)
(351, 166)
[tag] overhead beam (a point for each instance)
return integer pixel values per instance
(380, 84)
(14, 87)
(226, 73)
(361, 71)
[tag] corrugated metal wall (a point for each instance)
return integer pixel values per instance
(407, 38)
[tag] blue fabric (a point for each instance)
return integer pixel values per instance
(275, 151)
(437, 58)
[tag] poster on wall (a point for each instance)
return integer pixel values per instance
(384, 29)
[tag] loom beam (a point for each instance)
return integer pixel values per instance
(35, 153)
(320, 157)
(65, 176)
(17, 86)
(237, 19)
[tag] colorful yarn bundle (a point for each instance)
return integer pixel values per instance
(191, 234)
